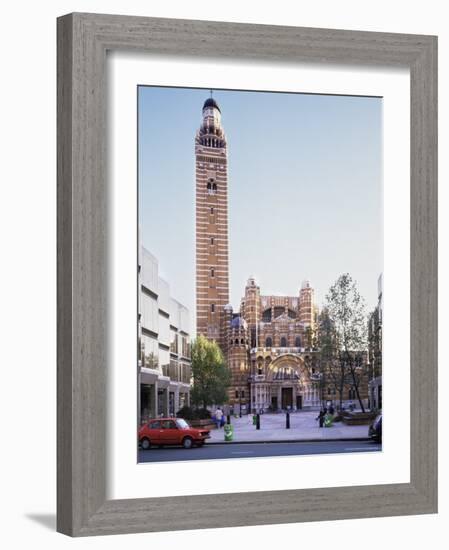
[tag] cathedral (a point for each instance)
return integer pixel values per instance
(269, 342)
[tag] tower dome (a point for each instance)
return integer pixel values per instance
(210, 102)
(251, 281)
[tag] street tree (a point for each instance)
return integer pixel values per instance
(332, 372)
(211, 376)
(346, 311)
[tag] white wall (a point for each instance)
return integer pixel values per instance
(27, 217)
(150, 313)
(149, 270)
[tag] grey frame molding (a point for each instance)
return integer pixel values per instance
(83, 40)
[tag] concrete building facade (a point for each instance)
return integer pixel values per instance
(164, 366)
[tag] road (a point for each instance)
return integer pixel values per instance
(251, 450)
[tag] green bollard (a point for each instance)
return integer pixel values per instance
(228, 432)
(328, 421)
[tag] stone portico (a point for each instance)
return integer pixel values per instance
(281, 381)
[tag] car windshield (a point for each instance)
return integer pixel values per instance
(182, 423)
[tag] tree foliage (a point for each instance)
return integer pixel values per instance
(347, 310)
(344, 334)
(211, 375)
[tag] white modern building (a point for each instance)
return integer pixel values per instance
(164, 366)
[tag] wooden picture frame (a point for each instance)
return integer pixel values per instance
(83, 40)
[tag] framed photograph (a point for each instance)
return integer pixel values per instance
(247, 274)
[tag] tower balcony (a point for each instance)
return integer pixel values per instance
(256, 378)
(277, 350)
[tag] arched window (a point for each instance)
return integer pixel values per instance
(278, 311)
(212, 308)
(266, 316)
(242, 341)
(297, 342)
(211, 187)
(283, 342)
(269, 342)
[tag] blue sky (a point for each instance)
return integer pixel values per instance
(305, 188)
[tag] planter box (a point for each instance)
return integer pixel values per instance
(205, 423)
(358, 418)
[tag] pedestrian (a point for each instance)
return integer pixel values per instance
(320, 417)
(331, 410)
(218, 416)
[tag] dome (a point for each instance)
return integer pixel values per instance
(251, 281)
(210, 102)
(238, 322)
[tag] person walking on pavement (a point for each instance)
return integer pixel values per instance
(320, 417)
(218, 417)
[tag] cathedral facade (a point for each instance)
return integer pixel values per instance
(269, 346)
(268, 343)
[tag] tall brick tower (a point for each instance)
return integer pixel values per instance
(252, 310)
(306, 305)
(212, 264)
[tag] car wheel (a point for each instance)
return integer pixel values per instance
(145, 443)
(187, 443)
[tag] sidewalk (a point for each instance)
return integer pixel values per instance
(303, 427)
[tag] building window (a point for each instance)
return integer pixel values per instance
(212, 272)
(211, 240)
(211, 187)
(173, 341)
(283, 342)
(242, 394)
(236, 394)
(266, 316)
(269, 342)
(212, 308)
(212, 210)
(298, 342)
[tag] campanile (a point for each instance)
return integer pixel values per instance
(212, 264)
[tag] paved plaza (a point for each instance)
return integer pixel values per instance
(303, 427)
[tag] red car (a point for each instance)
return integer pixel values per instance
(171, 431)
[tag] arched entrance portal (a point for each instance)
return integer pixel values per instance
(289, 383)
